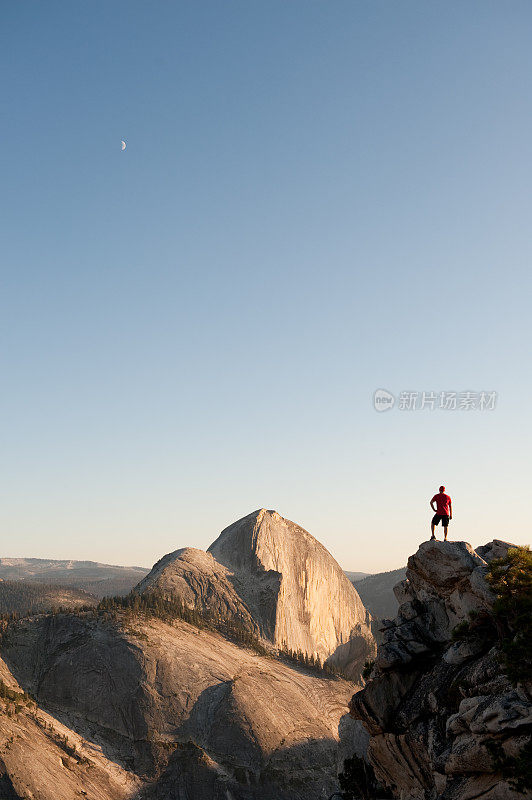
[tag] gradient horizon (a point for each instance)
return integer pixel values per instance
(316, 201)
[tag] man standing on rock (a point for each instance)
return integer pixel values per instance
(444, 511)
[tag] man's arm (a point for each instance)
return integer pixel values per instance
(450, 508)
(431, 502)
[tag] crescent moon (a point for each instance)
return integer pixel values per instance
(123, 145)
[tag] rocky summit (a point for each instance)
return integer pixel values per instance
(438, 706)
(273, 577)
(199, 581)
(134, 699)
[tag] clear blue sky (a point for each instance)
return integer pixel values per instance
(316, 200)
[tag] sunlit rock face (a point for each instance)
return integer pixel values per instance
(199, 581)
(296, 591)
(184, 713)
(277, 581)
(433, 704)
(163, 711)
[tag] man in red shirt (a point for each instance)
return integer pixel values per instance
(444, 511)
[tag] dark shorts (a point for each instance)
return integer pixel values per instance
(443, 517)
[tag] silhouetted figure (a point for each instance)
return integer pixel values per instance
(444, 512)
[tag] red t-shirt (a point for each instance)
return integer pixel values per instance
(443, 503)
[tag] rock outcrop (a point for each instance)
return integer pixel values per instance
(434, 705)
(164, 711)
(276, 579)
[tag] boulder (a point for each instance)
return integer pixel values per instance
(494, 549)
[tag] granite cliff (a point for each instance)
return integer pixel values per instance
(118, 702)
(277, 580)
(438, 706)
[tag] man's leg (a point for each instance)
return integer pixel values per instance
(445, 533)
(432, 529)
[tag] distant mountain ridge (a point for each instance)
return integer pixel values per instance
(376, 592)
(31, 597)
(356, 576)
(90, 576)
